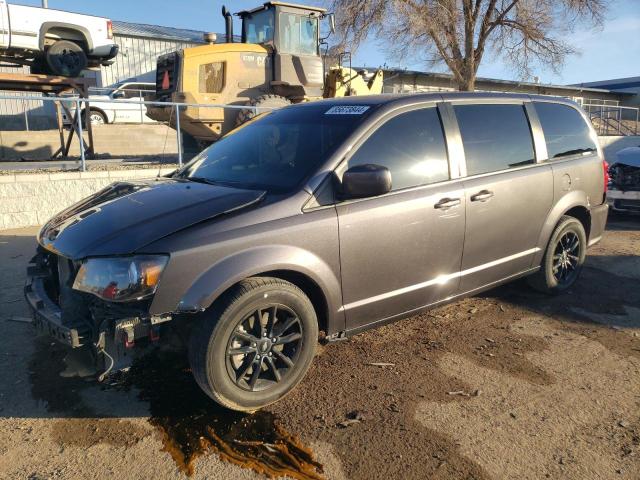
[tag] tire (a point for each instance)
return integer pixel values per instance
(563, 258)
(228, 343)
(66, 58)
(275, 101)
(97, 117)
(191, 146)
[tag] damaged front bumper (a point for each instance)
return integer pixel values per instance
(109, 331)
(627, 201)
(47, 315)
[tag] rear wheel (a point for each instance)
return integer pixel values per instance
(563, 258)
(255, 345)
(272, 101)
(66, 58)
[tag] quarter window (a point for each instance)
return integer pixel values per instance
(411, 146)
(565, 130)
(495, 137)
(211, 77)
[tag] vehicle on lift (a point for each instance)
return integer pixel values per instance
(278, 62)
(54, 41)
(318, 221)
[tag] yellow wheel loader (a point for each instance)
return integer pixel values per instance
(277, 62)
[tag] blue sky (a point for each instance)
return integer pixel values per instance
(610, 52)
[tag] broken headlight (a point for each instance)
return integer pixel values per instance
(121, 279)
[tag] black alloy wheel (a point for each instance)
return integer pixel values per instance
(563, 259)
(264, 347)
(566, 258)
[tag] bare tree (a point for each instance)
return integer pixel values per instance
(459, 32)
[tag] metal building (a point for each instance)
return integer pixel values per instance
(140, 46)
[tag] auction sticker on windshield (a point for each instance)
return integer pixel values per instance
(347, 110)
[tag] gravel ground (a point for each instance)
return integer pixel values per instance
(506, 385)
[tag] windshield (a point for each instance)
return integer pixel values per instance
(258, 27)
(278, 151)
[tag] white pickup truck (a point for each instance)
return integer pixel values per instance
(54, 41)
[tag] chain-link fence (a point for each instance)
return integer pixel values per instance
(111, 126)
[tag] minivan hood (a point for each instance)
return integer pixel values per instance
(126, 216)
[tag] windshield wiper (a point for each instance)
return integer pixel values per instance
(224, 183)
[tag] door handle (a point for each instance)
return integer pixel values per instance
(445, 203)
(482, 196)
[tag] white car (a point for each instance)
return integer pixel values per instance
(110, 106)
(54, 41)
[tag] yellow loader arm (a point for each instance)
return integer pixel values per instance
(345, 82)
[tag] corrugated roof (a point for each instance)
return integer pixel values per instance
(159, 32)
(515, 83)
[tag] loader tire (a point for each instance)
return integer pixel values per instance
(269, 100)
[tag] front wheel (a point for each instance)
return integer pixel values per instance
(255, 345)
(563, 258)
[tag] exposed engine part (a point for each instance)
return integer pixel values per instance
(625, 177)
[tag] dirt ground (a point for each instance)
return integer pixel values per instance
(510, 384)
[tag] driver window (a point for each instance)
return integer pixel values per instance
(411, 145)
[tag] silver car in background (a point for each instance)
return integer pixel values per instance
(107, 105)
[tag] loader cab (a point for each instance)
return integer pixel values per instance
(292, 34)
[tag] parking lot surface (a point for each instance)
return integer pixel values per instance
(509, 384)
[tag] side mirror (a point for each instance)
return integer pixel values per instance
(368, 180)
(118, 94)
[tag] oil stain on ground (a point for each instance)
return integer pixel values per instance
(193, 425)
(78, 424)
(190, 423)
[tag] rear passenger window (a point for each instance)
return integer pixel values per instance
(565, 130)
(495, 137)
(411, 146)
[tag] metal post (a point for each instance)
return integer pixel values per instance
(45, 3)
(179, 134)
(140, 98)
(637, 118)
(26, 114)
(80, 138)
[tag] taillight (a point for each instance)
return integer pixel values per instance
(109, 29)
(605, 167)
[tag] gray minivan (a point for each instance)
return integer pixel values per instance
(318, 221)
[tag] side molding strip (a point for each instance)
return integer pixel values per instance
(439, 280)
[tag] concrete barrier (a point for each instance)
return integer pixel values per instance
(112, 140)
(31, 199)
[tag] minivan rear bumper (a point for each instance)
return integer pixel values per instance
(598, 222)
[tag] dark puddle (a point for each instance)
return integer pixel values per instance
(60, 395)
(193, 425)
